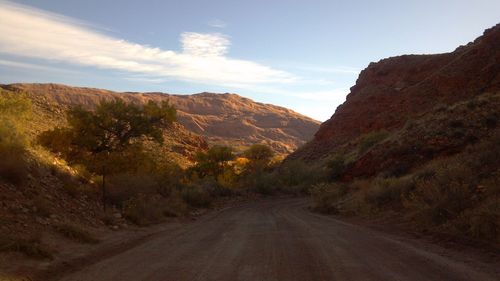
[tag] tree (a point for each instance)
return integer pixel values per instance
(15, 110)
(259, 156)
(214, 161)
(110, 138)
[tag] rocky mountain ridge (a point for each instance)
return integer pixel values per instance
(221, 118)
(397, 90)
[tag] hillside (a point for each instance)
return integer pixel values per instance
(417, 144)
(394, 91)
(221, 118)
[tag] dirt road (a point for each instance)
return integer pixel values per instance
(276, 240)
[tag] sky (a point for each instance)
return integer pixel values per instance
(304, 55)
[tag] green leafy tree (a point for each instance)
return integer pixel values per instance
(110, 138)
(213, 162)
(259, 156)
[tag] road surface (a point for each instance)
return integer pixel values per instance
(275, 240)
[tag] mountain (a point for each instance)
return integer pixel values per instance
(221, 118)
(415, 102)
(49, 111)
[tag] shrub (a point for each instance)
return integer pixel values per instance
(297, 176)
(31, 246)
(264, 183)
(484, 223)
(13, 166)
(75, 233)
(337, 165)
(388, 191)
(122, 187)
(175, 206)
(14, 109)
(69, 182)
(196, 196)
(144, 209)
(326, 197)
(397, 170)
(436, 202)
(170, 177)
(368, 140)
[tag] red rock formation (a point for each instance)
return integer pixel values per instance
(394, 90)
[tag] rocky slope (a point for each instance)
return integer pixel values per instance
(221, 118)
(408, 89)
(50, 111)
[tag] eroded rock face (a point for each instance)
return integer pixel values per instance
(394, 90)
(221, 118)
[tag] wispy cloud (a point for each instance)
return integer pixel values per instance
(25, 65)
(217, 23)
(29, 32)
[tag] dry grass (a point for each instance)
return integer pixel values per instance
(144, 209)
(459, 194)
(31, 247)
(367, 141)
(196, 196)
(327, 197)
(75, 233)
(123, 187)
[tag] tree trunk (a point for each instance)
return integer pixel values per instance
(104, 188)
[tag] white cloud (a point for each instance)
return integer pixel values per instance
(29, 32)
(204, 45)
(217, 23)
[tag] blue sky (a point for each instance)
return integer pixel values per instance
(304, 55)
